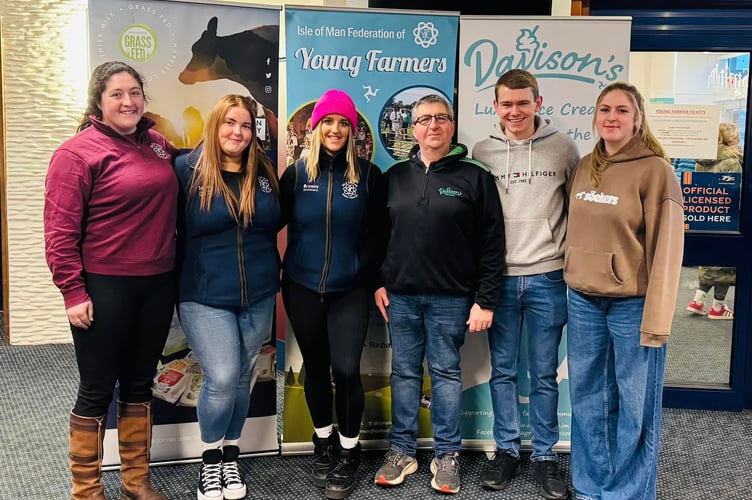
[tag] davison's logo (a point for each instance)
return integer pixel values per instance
(447, 191)
(539, 58)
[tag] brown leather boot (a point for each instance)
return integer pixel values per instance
(85, 450)
(134, 440)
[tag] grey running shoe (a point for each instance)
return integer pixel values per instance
(446, 473)
(396, 466)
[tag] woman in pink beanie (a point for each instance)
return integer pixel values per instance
(333, 204)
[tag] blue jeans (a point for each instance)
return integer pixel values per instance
(226, 342)
(616, 388)
(433, 326)
(539, 302)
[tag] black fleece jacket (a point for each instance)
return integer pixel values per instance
(446, 234)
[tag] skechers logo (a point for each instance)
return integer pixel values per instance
(450, 192)
(593, 197)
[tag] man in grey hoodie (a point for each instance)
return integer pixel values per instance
(531, 161)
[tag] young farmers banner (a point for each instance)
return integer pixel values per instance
(385, 61)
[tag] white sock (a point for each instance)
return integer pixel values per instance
(211, 446)
(324, 432)
(347, 443)
(717, 304)
(700, 296)
(231, 442)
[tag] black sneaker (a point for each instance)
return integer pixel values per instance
(210, 476)
(233, 486)
(500, 470)
(546, 474)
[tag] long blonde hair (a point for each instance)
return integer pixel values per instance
(728, 132)
(352, 172)
(207, 177)
(599, 161)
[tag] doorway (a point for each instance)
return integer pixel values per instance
(678, 58)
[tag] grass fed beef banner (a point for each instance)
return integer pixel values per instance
(190, 55)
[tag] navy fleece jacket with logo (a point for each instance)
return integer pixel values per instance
(335, 229)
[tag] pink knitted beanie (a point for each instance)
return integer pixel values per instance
(335, 102)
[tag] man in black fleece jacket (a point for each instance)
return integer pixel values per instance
(441, 275)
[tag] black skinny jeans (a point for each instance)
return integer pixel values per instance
(331, 330)
(132, 317)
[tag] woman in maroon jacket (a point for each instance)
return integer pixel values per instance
(109, 223)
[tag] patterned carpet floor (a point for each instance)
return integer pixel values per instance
(704, 455)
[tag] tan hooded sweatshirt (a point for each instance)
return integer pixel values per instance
(625, 238)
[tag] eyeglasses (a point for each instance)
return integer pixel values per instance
(425, 120)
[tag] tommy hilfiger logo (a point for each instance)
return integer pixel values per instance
(447, 191)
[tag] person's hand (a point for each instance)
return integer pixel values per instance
(82, 315)
(382, 302)
(480, 319)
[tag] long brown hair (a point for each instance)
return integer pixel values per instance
(352, 171)
(98, 82)
(207, 177)
(599, 161)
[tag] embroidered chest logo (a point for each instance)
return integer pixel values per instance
(159, 150)
(349, 190)
(264, 184)
(310, 188)
(452, 193)
(594, 197)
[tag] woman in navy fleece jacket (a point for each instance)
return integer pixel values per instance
(334, 205)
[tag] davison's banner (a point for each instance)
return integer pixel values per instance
(572, 58)
(385, 60)
(190, 55)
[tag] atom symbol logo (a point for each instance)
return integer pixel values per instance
(425, 34)
(349, 190)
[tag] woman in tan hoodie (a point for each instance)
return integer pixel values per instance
(624, 250)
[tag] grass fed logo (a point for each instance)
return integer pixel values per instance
(138, 34)
(138, 43)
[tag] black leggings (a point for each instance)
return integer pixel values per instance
(132, 316)
(330, 330)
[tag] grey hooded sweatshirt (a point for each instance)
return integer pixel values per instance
(531, 176)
